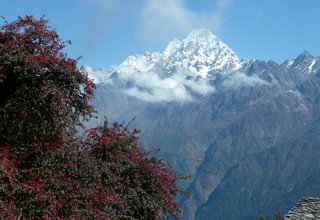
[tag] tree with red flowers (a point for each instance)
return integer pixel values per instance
(43, 93)
(46, 171)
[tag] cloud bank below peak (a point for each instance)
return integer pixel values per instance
(150, 87)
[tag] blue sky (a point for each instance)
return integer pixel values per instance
(105, 32)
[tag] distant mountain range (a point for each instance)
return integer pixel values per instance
(247, 131)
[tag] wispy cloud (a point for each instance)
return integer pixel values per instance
(163, 20)
(237, 79)
(103, 15)
(98, 76)
(155, 21)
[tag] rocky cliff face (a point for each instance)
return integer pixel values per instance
(245, 130)
(306, 208)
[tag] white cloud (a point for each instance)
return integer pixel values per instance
(148, 86)
(163, 20)
(98, 76)
(154, 95)
(239, 79)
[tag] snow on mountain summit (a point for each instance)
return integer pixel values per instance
(139, 63)
(305, 63)
(201, 53)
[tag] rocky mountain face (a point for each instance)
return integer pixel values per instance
(247, 131)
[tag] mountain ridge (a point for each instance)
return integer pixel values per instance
(206, 125)
(193, 62)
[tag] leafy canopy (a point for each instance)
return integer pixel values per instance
(46, 171)
(43, 93)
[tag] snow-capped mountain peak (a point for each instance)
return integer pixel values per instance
(139, 63)
(201, 53)
(305, 63)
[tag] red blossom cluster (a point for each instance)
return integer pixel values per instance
(143, 185)
(43, 92)
(46, 171)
